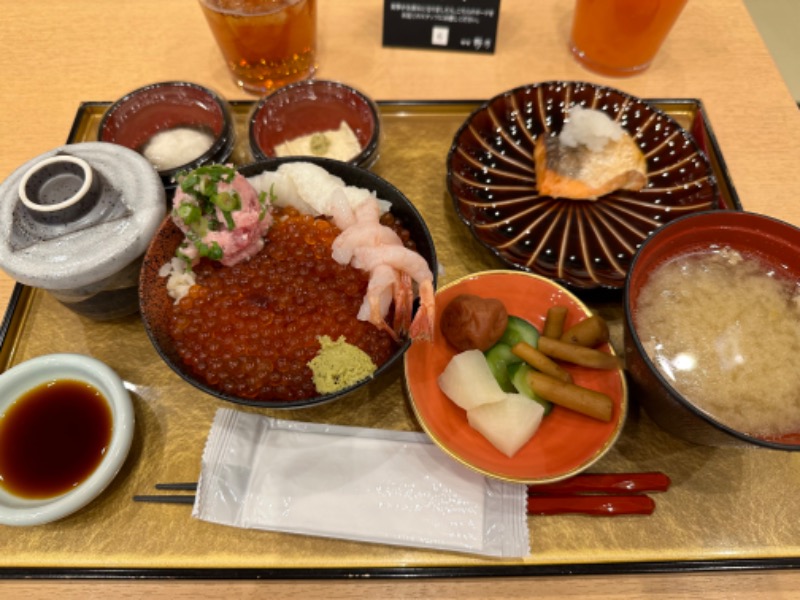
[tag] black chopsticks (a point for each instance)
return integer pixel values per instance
(189, 486)
(171, 498)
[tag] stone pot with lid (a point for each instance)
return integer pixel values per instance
(76, 221)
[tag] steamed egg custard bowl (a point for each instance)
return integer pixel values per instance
(288, 283)
(566, 442)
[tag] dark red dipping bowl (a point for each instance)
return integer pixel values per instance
(773, 241)
(311, 106)
(133, 119)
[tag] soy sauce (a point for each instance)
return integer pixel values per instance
(52, 438)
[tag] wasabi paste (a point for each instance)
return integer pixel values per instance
(338, 365)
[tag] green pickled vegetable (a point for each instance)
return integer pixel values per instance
(500, 357)
(519, 330)
(517, 374)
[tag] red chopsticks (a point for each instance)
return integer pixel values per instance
(598, 506)
(606, 483)
(598, 494)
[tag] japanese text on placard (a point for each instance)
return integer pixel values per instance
(413, 11)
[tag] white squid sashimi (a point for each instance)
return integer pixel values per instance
(313, 183)
(281, 190)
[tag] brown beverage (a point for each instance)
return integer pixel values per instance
(621, 37)
(266, 43)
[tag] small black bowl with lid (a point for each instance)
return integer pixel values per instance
(176, 125)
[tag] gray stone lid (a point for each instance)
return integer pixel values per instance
(69, 249)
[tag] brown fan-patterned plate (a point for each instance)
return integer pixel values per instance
(584, 244)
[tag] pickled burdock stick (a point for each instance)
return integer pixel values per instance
(554, 322)
(590, 332)
(574, 397)
(578, 355)
(540, 361)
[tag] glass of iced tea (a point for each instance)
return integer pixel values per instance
(266, 43)
(621, 37)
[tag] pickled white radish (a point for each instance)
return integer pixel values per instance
(468, 381)
(508, 424)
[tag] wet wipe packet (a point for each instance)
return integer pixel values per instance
(369, 485)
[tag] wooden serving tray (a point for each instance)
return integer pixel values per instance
(727, 508)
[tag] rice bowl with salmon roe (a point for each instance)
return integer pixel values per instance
(247, 332)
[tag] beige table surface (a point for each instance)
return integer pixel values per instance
(55, 54)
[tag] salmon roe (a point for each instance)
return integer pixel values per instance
(249, 330)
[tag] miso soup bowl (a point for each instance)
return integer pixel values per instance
(774, 242)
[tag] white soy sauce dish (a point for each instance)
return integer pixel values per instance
(66, 427)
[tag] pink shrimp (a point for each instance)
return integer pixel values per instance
(407, 261)
(360, 226)
(362, 235)
(403, 303)
(340, 210)
(382, 286)
(371, 246)
(368, 211)
(387, 285)
(399, 257)
(423, 324)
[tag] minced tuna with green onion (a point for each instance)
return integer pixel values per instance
(221, 214)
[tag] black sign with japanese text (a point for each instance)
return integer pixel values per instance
(469, 25)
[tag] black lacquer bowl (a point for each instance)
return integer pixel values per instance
(584, 244)
(156, 306)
